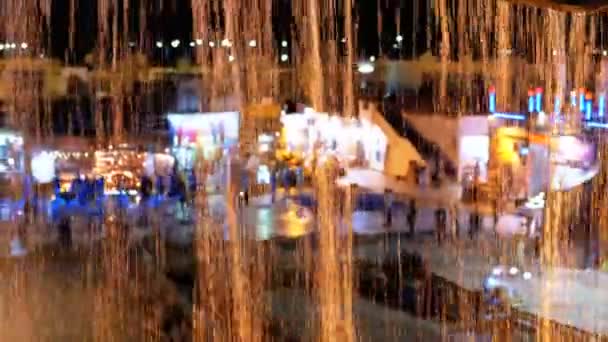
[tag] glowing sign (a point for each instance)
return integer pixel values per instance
(601, 105)
(509, 116)
(539, 99)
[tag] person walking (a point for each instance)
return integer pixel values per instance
(474, 224)
(388, 207)
(65, 232)
(411, 217)
(440, 224)
(273, 183)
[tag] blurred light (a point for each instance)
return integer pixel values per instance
(541, 119)
(211, 44)
(601, 105)
(588, 110)
(539, 99)
(527, 275)
(159, 44)
(253, 43)
(24, 46)
(284, 43)
(509, 116)
(226, 43)
(556, 104)
(513, 270)
(199, 41)
(131, 44)
(284, 57)
(492, 101)
(372, 59)
(231, 58)
(175, 43)
(597, 125)
(343, 40)
(496, 271)
(43, 167)
(1, 46)
(573, 98)
(531, 104)
(492, 282)
(366, 68)
(13, 46)
(192, 44)
(399, 38)
(605, 53)
(581, 100)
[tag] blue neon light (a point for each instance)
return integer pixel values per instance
(492, 102)
(530, 104)
(588, 110)
(581, 101)
(556, 105)
(539, 99)
(597, 124)
(509, 116)
(601, 105)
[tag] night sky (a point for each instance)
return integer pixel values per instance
(174, 21)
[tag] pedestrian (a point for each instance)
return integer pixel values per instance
(65, 232)
(273, 183)
(411, 217)
(454, 224)
(245, 187)
(474, 223)
(440, 224)
(388, 207)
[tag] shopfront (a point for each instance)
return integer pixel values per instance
(528, 162)
(208, 135)
(355, 143)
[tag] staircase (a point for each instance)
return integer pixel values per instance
(426, 147)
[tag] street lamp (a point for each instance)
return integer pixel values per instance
(175, 43)
(226, 43)
(284, 57)
(24, 46)
(192, 44)
(284, 43)
(399, 38)
(231, 58)
(211, 44)
(199, 42)
(253, 43)
(159, 44)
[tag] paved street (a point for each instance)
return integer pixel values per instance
(573, 297)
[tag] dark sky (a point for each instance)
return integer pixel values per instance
(174, 21)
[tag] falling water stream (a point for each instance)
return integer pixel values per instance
(238, 62)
